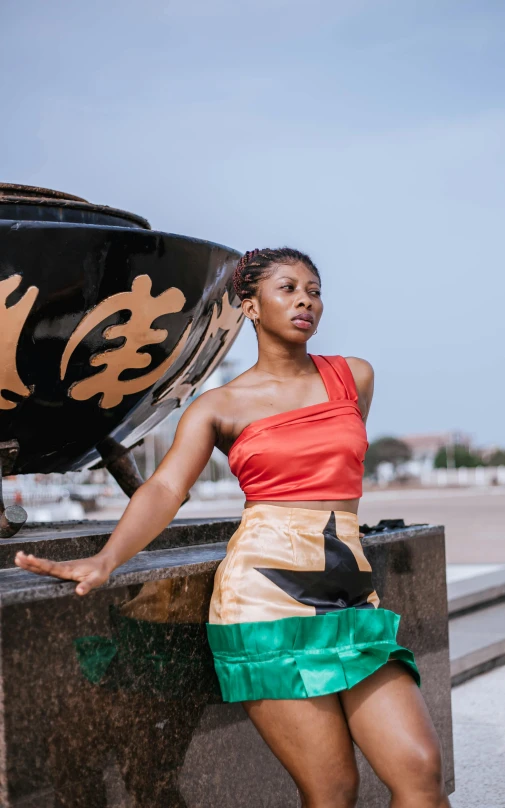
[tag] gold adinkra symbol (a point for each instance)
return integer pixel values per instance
(12, 320)
(137, 334)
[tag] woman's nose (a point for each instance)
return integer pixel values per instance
(305, 301)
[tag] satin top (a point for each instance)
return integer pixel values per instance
(311, 453)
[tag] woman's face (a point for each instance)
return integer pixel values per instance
(289, 302)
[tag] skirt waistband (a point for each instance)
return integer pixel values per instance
(299, 518)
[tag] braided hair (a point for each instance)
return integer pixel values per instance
(255, 265)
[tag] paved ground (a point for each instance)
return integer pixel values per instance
(474, 518)
(460, 572)
(479, 738)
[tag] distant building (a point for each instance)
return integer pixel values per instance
(424, 448)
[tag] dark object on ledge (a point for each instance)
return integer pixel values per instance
(387, 524)
(13, 517)
(105, 326)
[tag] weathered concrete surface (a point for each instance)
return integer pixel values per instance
(478, 709)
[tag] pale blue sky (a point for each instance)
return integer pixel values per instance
(370, 134)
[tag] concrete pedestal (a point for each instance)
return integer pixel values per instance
(111, 701)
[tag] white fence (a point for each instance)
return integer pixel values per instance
(479, 476)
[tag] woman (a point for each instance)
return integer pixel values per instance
(295, 626)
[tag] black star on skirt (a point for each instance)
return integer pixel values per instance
(341, 584)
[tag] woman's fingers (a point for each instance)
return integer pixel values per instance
(90, 580)
(42, 566)
(86, 572)
(86, 586)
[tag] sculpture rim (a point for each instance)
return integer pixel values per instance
(32, 195)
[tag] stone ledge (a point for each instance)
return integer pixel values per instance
(142, 711)
(156, 564)
(471, 593)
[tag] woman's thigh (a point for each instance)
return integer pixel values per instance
(311, 739)
(389, 721)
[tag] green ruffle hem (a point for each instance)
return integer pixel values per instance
(300, 657)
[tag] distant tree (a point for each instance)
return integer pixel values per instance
(497, 458)
(461, 456)
(386, 450)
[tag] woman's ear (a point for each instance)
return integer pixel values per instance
(249, 308)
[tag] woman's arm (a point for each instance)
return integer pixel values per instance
(150, 509)
(364, 379)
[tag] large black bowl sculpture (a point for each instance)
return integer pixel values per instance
(106, 326)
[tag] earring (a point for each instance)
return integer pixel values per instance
(315, 332)
(255, 322)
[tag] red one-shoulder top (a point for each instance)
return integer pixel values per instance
(312, 453)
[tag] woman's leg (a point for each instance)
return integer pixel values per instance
(311, 739)
(389, 721)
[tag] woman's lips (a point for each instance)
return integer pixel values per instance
(301, 323)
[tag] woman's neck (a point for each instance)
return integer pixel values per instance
(284, 362)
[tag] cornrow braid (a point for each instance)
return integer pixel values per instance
(255, 264)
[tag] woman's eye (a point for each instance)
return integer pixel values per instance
(287, 286)
(316, 292)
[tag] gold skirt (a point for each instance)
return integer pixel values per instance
(287, 562)
(293, 611)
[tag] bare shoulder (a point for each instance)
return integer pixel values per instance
(208, 405)
(220, 409)
(232, 393)
(221, 401)
(362, 370)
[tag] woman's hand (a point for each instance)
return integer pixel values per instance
(89, 572)
(151, 508)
